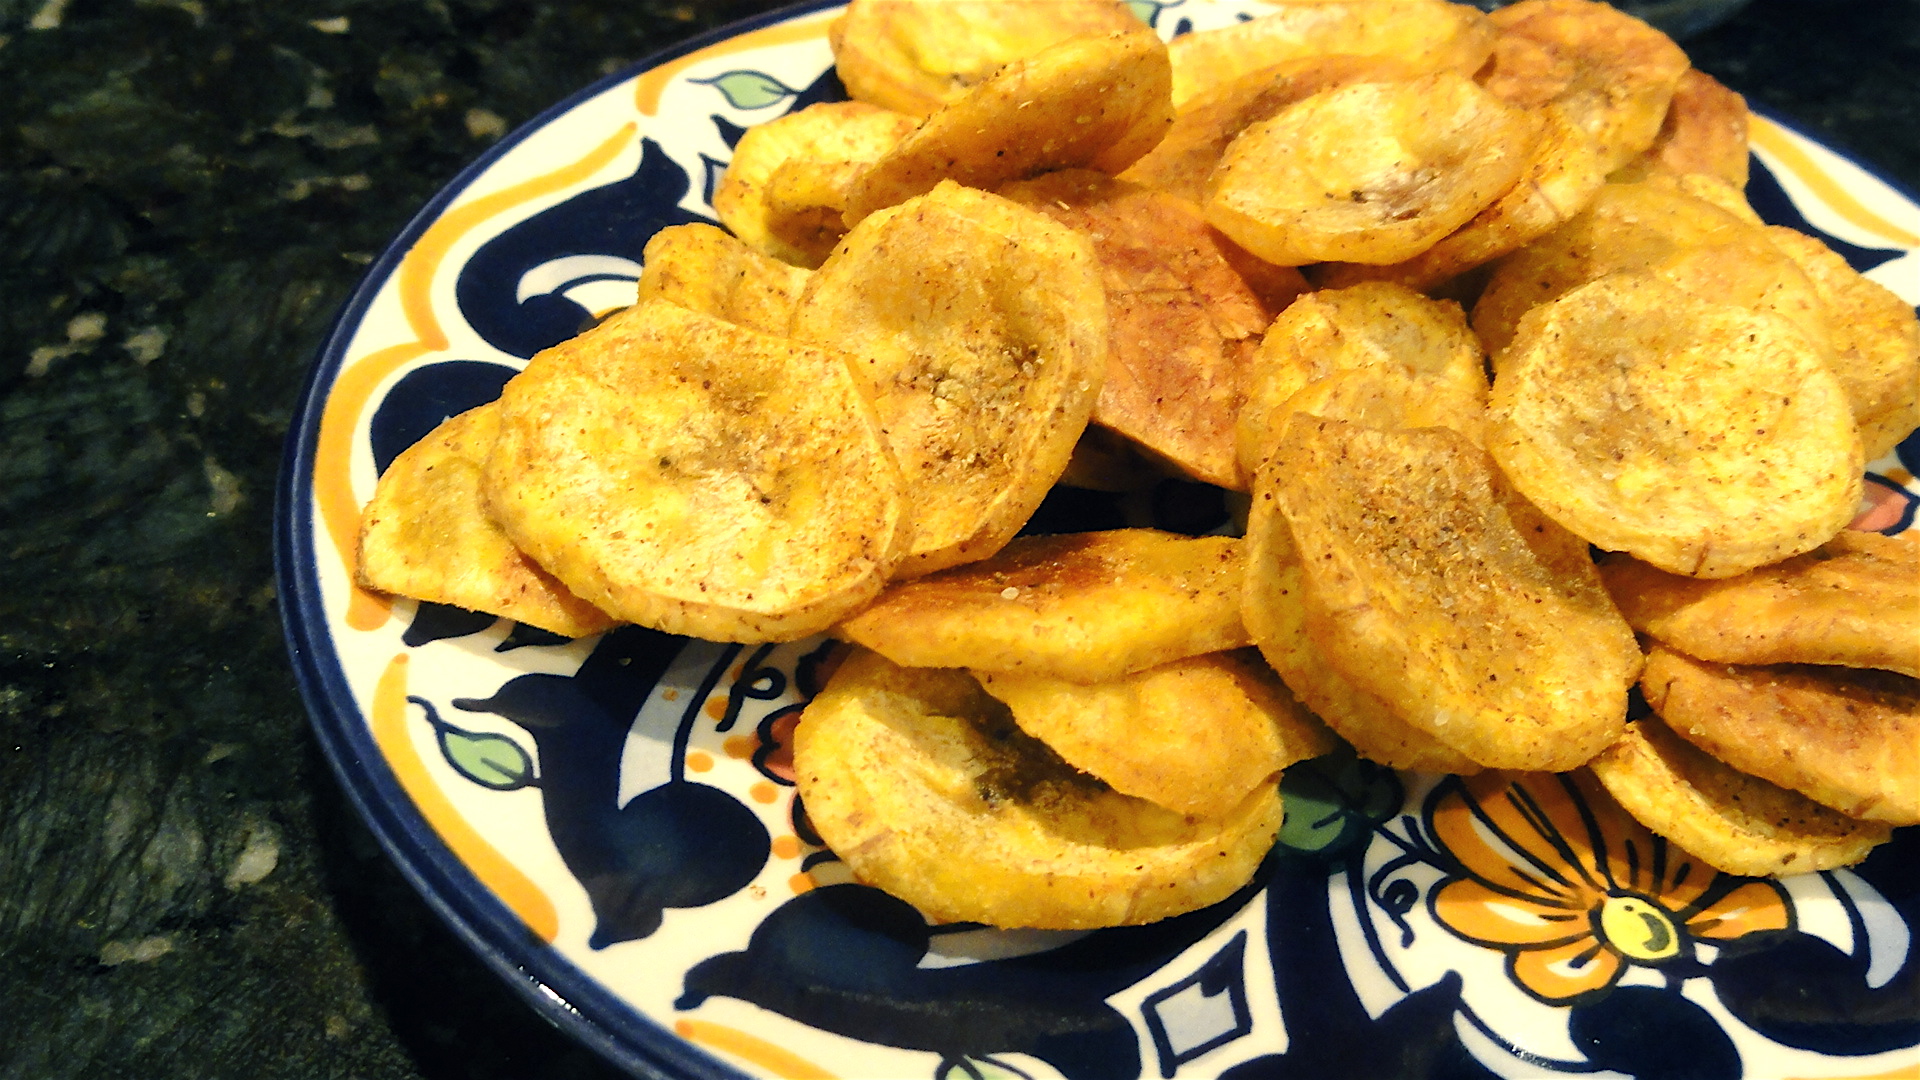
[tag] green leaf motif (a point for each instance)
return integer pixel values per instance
(1146, 10)
(492, 761)
(750, 89)
(970, 1068)
(1334, 802)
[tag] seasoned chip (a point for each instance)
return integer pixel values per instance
(1703, 438)
(1852, 601)
(1369, 172)
(1182, 323)
(1272, 608)
(978, 330)
(426, 534)
(1705, 131)
(786, 186)
(1729, 820)
(697, 477)
(1432, 585)
(1087, 102)
(1417, 35)
(703, 269)
(925, 786)
(913, 56)
(1196, 735)
(1087, 607)
(1611, 73)
(1848, 738)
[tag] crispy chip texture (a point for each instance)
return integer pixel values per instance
(1417, 35)
(1852, 601)
(1433, 586)
(703, 269)
(1196, 735)
(1847, 738)
(1705, 131)
(1369, 172)
(979, 332)
(1182, 323)
(1086, 607)
(913, 56)
(923, 784)
(786, 186)
(1087, 102)
(426, 534)
(697, 477)
(1703, 438)
(1733, 822)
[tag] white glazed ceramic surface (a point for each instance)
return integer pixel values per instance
(610, 822)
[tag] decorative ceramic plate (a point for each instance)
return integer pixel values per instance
(611, 822)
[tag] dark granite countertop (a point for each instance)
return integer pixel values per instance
(188, 191)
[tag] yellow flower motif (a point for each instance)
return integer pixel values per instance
(1553, 873)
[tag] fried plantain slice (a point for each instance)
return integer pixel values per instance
(925, 786)
(1853, 601)
(1372, 172)
(1703, 438)
(1611, 73)
(1733, 822)
(1086, 607)
(426, 534)
(913, 56)
(697, 477)
(1087, 102)
(1705, 131)
(1195, 736)
(978, 330)
(1371, 325)
(703, 269)
(1182, 322)
(1417, 36)
(785, 188)
(1875, 337)
(1273, 609)
(1432, 585)
(1848, 738)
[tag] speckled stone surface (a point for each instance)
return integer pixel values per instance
(188, 191)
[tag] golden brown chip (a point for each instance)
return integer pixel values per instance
(1417, 35)
(978, 330)
(1182, 323)
(1848, 738)
(1432, 585)
(1703, 438)
(1087, 102)
(925, 786)
(1196, 736)
(1731, 821)
(1369, 172)
(1087, 607)
(1272, 608)
(1705, 131)
(426, 534)
(697, 477)
(913, 56)
(786, 186)
(1612, 74)
(1852, 601)
(703, 269)
(1371, 325)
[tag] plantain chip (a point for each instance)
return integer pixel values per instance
(1853, 601)
(426, 534)
(1703, 438)
(703, 269)
(923, 784)
(1729, 820)
(978, 330)
(1087, 102)
(1432, 585)
(697, 477)
(1085, 607)
(913, 56)
(1705, 131)
(1195, 736)
(1371, 172)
